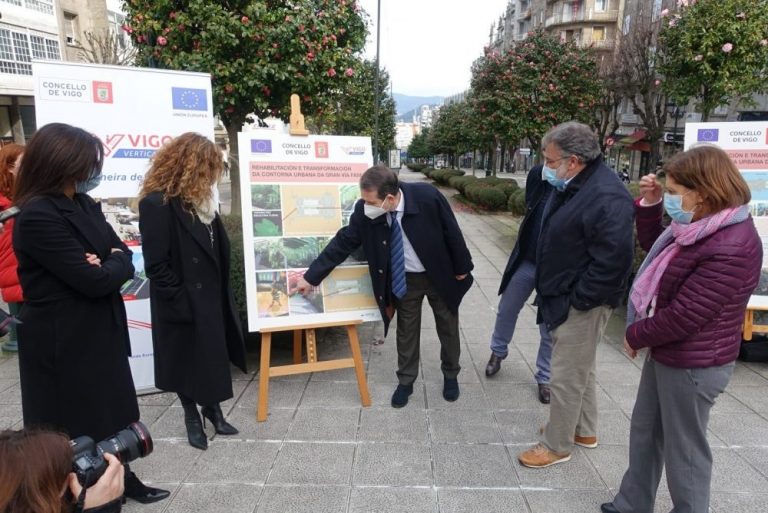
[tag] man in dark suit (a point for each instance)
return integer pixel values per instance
(414, 248)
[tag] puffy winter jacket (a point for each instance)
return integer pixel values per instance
(702, 295)
(9, 280)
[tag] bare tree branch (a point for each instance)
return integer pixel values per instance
(107, 47)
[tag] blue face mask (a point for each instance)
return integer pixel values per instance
(550, 175)
(673, 204)
(88, 185)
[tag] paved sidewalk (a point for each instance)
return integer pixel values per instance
(321, 452)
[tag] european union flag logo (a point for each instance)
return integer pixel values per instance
(261, 146)
(708, 135)
(189, 99)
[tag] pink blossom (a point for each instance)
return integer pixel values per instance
(244, 20)
(657, 82)
(349, 72)
(672, 22)
(127, 28)
(172, 15)
(698, 57)
(682, 3)
(741, 16)
(764, 42)
(162, 41)
(727, 47)
(665, 13)
(331, 72)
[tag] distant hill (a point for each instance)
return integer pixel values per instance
(406, 104)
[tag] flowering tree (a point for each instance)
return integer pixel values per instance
(353, 108)
(715, 51)
(258, 52)
(538, 83)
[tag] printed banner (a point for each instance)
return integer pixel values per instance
(747, 145)
(297, 193)
(134, 111)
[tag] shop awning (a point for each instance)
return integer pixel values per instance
(636, 141)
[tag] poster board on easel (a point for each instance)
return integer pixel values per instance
(298, 191)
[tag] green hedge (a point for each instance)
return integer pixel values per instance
(428, 171)
(459, 182)
(415, 167)
(508, 187)
(441, 176)
(234, 226)
(491, 198)
(516, 202)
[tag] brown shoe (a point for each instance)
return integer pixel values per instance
(539, 457)
(590, 442)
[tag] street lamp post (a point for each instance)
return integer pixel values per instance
(376, 99)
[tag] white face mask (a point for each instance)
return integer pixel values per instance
(372, 211)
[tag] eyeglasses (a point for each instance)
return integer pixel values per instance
(548, 162)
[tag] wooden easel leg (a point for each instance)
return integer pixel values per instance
(261, 411)
(311, 345)
(296, 346)
(748, 323)
(362, 383)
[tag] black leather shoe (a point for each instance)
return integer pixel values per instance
(215, 415)
(138, 491)
(450, 389)
(494, 364)
(544, 394)
(400, 397)
(608, 507)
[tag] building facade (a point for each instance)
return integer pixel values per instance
(44, 30)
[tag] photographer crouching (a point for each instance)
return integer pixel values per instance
(36, 476)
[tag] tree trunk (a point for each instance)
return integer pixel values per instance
(234, 166)
(503, 157)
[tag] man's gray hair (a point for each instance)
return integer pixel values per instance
(573, 138)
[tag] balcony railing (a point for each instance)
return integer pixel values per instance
(524, 14)
(602, 44)
(582, 17)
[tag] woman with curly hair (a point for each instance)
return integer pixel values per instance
(195, 328)
(10, 158)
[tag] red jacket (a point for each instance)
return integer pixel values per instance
(9, 280)
(702, 295)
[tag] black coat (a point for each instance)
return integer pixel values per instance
(196, 331)
(586, 245)
(430, 226)
(73, 343)
(535, 190)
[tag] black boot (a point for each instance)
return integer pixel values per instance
(214, 414)
(195, 434)
(138, 491)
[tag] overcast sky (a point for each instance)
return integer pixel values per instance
(428, 46)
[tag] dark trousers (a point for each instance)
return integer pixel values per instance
(409, 330)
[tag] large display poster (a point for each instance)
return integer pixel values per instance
(297, 193)
(133, 111)
(747, 145)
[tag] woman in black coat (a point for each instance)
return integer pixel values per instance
(73, 343)
(196, 332)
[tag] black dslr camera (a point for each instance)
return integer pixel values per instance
(88, 461)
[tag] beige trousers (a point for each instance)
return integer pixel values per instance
(573, 406)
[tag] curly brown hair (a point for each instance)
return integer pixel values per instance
(8, 155)
(186, 167)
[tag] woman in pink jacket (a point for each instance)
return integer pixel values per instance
(687, 307)
(10, 157)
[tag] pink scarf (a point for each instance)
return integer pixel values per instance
(667, 246)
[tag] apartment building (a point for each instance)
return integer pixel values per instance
(46, 30)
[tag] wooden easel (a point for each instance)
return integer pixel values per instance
(756, 304)
(266, 371)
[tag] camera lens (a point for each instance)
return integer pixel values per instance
(129, 444)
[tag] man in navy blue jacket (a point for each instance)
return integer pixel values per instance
(583, 259)
(414, 249)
